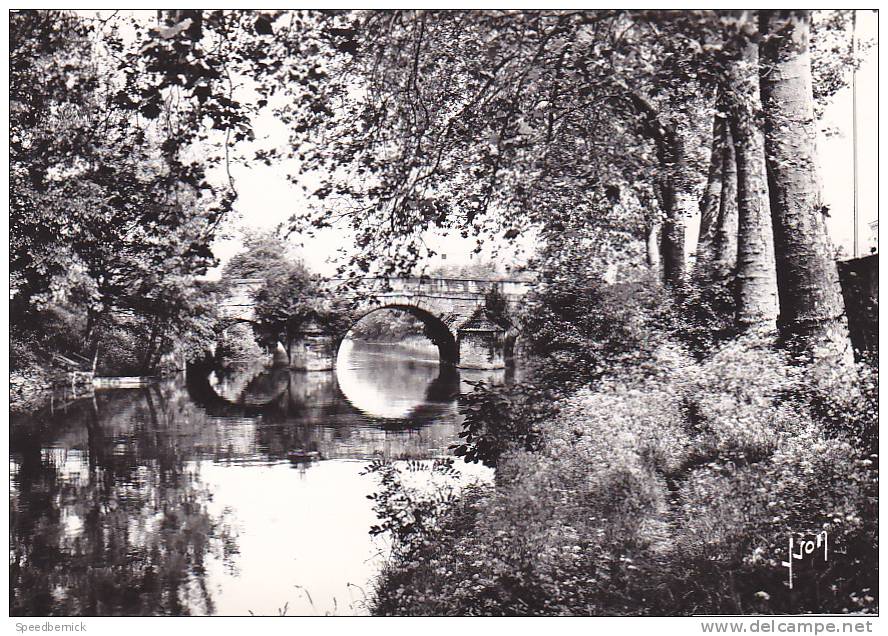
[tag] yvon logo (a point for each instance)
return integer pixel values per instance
(805, 549)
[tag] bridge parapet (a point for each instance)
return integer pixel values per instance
(437, 286)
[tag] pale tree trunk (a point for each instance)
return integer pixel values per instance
(709, 204)
(672, 234)
(653, 245)
(726, 230)
(756, 277)
(684, 206)
(811, 307)
(680, 206)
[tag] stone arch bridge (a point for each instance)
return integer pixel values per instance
(452, 310)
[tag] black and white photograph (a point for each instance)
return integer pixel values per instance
(443, 312)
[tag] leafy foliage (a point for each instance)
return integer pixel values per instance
(410, 513)
(484, 122)
(262, 254)
(500, 418)
(832, 53)
(109, 192)
(110, 218)
(237, 346)
(292, 299)
(672, 492)
(387, 325)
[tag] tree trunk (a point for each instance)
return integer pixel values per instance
(756, 278)
(93, 318)
(681, 205)
(709, 204)
(159, 349)
(811, 307)
(150, 348)
(725, 242)
(653, 245)
(676, 187)
(672, 243)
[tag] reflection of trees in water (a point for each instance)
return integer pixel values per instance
(108, 512)
(107, 515)
(252, 386)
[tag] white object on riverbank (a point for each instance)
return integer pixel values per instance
(132, 382)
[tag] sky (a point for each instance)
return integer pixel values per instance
(267, 199)
(837, 152)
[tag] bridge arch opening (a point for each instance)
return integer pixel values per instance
(394, 322)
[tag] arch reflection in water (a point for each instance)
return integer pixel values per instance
(254, 386)
(307, 410)
(391, 381)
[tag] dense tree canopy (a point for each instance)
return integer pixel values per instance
(107, 212)
(494, 124)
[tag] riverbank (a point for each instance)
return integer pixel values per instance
(409, 342)
(670, 490)
(29, 389)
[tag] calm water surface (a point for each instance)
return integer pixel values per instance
(184, 498)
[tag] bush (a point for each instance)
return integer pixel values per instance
(581, 328)
(55, 329)
(734, 401)
(498, 418)
(122, 348)
(849, 409)
(578, 330)
(237, 346)
(408, 513)
(736, 522)
(24, 352)
(669, 489)
(703, 316)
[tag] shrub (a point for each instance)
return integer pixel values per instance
(733, 400)
(703, 315)
(237, 346)
(500, 418)
(735, 522)
(55, 329)
(667, 489)
(849, 410)
(410, 513)
(122, 348)
(580, 328)
(24, 351)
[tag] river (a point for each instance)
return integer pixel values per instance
(196, 495)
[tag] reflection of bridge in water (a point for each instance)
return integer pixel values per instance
(167, 425)
(309, 410)
(313, 396)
